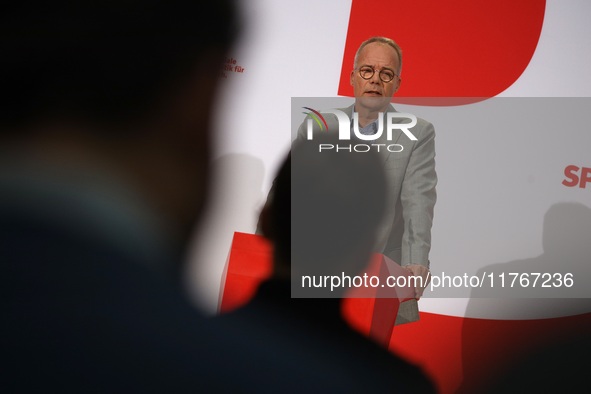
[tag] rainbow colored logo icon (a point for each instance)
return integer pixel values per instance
(318, 118)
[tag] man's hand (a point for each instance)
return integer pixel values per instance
(424, 273)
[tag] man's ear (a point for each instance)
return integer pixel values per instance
(351, 77)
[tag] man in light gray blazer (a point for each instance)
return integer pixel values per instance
(408, 156)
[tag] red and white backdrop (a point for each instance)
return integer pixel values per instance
(513, 191)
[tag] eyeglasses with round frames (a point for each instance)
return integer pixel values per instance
(367, 72)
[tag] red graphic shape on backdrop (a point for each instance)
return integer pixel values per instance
(451, 48)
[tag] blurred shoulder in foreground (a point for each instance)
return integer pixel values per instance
(322, 220)
(105, 121)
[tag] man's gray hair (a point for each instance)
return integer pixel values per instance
(382, 40)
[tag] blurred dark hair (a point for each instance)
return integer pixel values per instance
(280, 212)
(102, 61)
(327, 205)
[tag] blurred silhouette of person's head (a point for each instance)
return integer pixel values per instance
(105, 124)
(321, 220)
(325, 210)
(124, 89)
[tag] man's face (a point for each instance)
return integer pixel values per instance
(374, 94)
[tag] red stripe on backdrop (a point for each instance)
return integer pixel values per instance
(451, 48)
